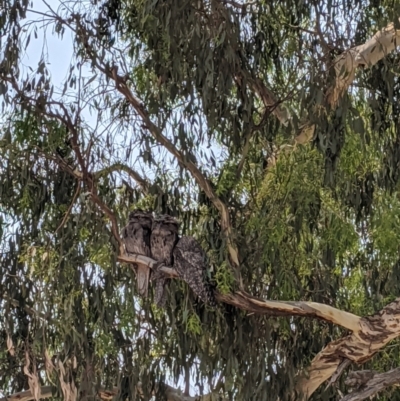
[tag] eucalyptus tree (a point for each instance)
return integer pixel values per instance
(270, 129)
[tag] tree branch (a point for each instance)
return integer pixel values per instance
(247, 302)
(370, 383)
(362, 56)
(268, 98)
(68, 212)
(373, 334)
(346, 65)
(144, 185)
(67, 121)
(370, 334)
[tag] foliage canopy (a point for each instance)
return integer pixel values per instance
(224, 89)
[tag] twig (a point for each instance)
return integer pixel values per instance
(76, 194)
(132, 173)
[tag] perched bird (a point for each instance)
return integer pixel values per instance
(190, 264)
(164, 236)
(136, 237)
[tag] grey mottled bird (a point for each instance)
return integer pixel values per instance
(164, 236)
(136, 237)
(190, 264)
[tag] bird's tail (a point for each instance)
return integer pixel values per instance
(210, 294)
(202, 287)
(161, 292)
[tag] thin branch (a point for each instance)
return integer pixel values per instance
(66, 120)
(245, 152)
(31, 10)
(132, 173)
(268, 98)
(203, 182)
(323, 42)
(340, 369)
(88, 179)
(65, 218)
(27, 309)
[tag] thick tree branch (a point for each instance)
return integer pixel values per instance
(346, 65)
(368, 383)
(362, 56)
(373, 334)
(247, 302)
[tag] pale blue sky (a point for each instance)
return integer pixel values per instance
(58, 51)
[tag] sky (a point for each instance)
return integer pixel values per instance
(58, 51)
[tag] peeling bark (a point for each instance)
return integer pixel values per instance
(373, 334)
(363, 56)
